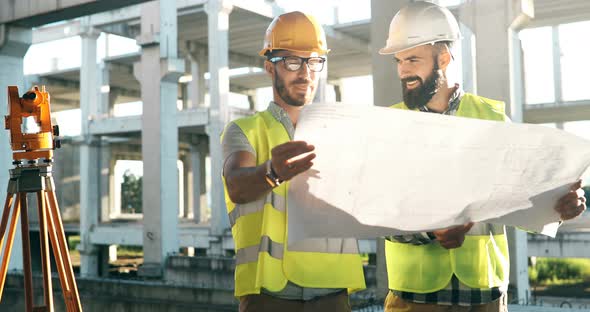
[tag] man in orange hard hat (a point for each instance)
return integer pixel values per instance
(312, 275)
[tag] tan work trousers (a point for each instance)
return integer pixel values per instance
(264, 303)
(394, 303)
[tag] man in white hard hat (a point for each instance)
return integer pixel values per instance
(258, 163)
(466, 267)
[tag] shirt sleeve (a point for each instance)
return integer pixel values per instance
(234, 140)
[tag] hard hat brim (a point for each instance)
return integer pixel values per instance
(319, 52)
(388, 50)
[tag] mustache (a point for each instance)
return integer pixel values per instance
(412, 78)
(301, 81)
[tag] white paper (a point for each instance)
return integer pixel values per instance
(382, 171)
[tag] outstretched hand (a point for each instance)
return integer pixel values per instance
(290, 159)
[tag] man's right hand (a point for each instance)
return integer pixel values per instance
(452, 237)
(288, 159)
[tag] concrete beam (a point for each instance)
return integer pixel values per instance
(133, 124)
(564, 245)
(561, 112)
(130, 234)
(549, 12)
(133, 13)
(348, 41)
(33, 13)
(56, 32)
(234, 57)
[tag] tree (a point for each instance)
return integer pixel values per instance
(131, 190)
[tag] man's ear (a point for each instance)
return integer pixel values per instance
(269, 68)
(444, 58)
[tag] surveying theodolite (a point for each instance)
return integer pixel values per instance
(32, 155)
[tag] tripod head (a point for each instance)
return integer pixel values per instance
(31, 146)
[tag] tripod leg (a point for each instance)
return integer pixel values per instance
(24, 222)
(5, 215)
(66, 271)
(58, 253)
(45, 261)
(9, 238)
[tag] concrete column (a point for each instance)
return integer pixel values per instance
(386, 84)
(495, 24)
(201, 188)
(89, 153)
(14, 43)
(106, 102)
(386, 90)
(218, 21)
(107, 95)
(198, 185)
(321, 95)
(188, 172)
(196, 87)
(337, 90)
(158, 73)
(467, 59)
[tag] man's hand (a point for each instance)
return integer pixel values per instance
(573, 203)
(285, 161)
(452, 237)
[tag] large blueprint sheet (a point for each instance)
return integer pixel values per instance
(382, 171)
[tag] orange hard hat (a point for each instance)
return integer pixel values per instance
(295, 31)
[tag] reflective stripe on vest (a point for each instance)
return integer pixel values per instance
(277, 201)
(250, 254)
(481, 262)
(259, 231)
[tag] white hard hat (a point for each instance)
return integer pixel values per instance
(420, 23)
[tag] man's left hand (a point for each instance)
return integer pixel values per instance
(573, 203)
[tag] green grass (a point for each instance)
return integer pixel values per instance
(130, 252)
(73, 242)
(560, 271)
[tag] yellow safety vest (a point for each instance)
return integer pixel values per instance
(259, 229)
(481, 262)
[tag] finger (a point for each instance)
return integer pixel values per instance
(567, 198)
(450, 244)
(290, 147)
(572, 213)
(576, 185)
(459, 229)
(293, 163)
(468, 226)
(580, 192)
(297, 170)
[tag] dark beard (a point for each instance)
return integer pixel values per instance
(281, 89)
(421, 95)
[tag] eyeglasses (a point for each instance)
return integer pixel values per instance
(293, 63)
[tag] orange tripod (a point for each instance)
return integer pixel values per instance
(33, 156)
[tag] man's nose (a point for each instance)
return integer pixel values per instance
(304, 70)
